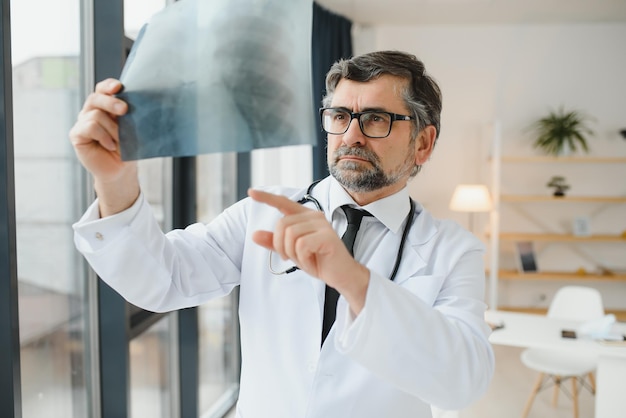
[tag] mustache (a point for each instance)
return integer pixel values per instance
(356, 152)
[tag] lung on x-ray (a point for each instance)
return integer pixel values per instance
(210, 76)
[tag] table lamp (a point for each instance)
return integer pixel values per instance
(471, 198)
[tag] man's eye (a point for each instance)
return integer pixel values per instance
(376, 117)
(339, 116)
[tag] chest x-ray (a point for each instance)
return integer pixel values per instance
(210, 76)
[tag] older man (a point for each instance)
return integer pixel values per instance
(406, 288)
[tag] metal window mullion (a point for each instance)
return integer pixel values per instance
(10, 382)
(244, 182)
(92, 352)
(113, 324)
(184, 213)
(244, 174)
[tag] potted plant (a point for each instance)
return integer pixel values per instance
(562, 131)
(559, 185)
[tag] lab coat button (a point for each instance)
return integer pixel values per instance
(99, 236)
(312, 366)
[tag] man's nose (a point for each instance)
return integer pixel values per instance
(354, 135)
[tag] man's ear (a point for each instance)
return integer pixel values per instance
(424, 144)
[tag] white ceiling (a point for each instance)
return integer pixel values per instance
(411, 12)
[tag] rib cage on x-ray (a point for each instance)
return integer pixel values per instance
(234, 76)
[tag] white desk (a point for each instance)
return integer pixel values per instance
(527, 330)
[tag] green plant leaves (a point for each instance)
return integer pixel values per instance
(561, 130)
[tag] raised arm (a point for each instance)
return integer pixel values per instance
(96, 143)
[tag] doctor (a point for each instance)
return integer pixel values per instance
(409, 330)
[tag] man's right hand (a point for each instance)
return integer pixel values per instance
(96, 143)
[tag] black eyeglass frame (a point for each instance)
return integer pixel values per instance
(357, 115)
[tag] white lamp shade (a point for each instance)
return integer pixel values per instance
(471, 198)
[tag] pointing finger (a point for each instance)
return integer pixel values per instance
(264, 239)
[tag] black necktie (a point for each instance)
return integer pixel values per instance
(354, 217)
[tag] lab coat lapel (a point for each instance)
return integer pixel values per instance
(413, 273)
(418, 248)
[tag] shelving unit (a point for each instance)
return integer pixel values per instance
(565, 199)
(518, 236)
(565, 160)
(550, 237)
(559, 275)
(620, 315)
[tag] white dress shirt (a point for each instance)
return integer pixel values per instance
(419, 340)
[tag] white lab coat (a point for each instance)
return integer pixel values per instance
(419, 340)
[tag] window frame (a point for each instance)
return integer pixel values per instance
(10, 381)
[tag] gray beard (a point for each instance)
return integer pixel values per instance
(355, 177)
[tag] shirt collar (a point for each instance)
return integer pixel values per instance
(391, 210)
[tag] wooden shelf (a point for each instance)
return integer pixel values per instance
(548, 198)
(536, 205)
(546, 159)
(620, 315)
(514, 236)
(559, 275)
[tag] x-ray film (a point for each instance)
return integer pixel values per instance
(210, 76)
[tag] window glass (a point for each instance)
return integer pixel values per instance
(138, 12)
(51, 285)
(219, 342)
(150, 395)
(290, 166)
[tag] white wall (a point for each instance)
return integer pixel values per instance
(515, 74)
(286, 166)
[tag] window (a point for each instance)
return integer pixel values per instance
(51, 274)
(219, 341)
(150, 372)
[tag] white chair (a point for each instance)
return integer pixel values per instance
(572, 303)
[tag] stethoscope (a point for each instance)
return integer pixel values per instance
(308, 198)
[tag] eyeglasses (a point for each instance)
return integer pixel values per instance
(373, 123)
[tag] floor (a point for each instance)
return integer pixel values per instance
(509, 390)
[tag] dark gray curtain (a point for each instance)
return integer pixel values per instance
(331, 40)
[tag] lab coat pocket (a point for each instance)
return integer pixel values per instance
(425, 287)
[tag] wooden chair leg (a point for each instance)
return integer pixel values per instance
(575, 396)
(534, 392)
(555, 392)
(592, 382)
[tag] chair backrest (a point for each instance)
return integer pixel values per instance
(578, 303)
